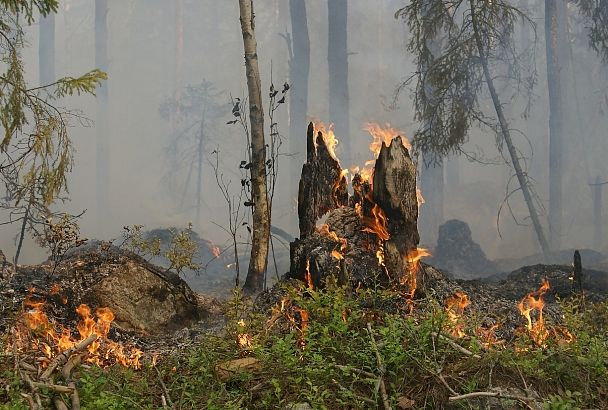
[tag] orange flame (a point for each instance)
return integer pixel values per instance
(329, 137)
(103, 352)
(337, 255)
(413, 258)
(534, 301)
(454, 306)
(307, 275)
(379, 135)
(377, 224)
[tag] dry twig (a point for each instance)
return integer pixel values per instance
(457, 346)
(381, 369)
(164, 387)
(63, 356)
(496, 394)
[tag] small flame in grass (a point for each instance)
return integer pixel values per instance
(534, 301)
(329, 137)
(243, 339)
(454, 306)
(57, 339)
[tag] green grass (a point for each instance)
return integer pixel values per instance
(329, 362)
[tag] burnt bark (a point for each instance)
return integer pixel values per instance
(394, 190)
(322, 186)
(254, 282)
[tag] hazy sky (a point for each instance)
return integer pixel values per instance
(141, 47)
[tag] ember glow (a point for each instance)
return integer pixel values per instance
(534, 301)
(52, 338)
(454, 307)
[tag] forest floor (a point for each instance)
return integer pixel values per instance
(301, 348)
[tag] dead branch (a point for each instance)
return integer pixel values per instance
(66, 371)
(457, 346)
(30, 401)
(496, 394)
(74, 397)
(381, 369)
(164, 387)
(59, 404)
(58, 388)
(63, 356)
(365, 399)
(30, 384)
(28, 367)
(445, 383)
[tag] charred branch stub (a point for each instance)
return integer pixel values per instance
(322, 185)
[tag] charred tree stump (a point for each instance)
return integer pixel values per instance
(322, 185)
(394, 190)
(368, 239)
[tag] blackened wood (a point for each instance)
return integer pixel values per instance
(322, 185)
(394, 190)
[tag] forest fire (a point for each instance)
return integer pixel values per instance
(534, 301)
(454, 307)
(51, 338)
(329, 137)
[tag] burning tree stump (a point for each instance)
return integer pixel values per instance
(394, 190)
(322, 184)
(370, 237)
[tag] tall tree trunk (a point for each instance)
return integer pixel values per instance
(556, 154)
(178, 58)
(199, 179)
(432, 188)
(101, 121)
(46, 50)
(504, 128)
(261, 217)
(299, 68)
(337, 61)
(431, 172)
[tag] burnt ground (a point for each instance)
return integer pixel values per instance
(64, 287)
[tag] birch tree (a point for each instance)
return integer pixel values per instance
(261, 213)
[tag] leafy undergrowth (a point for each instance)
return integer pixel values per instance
(316, 348)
